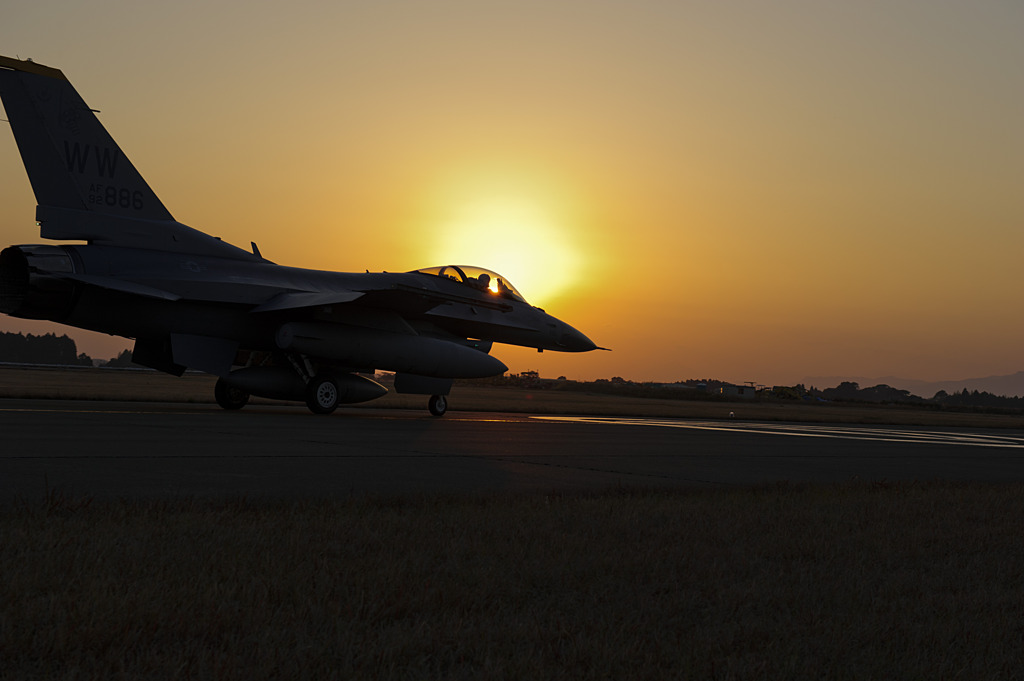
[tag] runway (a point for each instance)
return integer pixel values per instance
(149, 450)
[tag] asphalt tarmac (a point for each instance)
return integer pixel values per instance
(148, 450)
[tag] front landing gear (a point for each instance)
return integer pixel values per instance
(438, 405)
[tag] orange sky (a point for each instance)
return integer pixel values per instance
(744, 190)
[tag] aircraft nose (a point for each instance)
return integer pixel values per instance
(574, 341)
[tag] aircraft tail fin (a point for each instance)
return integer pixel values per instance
(71, 160)
(84, 184)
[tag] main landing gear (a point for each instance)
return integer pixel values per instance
(228, 396)
(322, 389)
(322, 395)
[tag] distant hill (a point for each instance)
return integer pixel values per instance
(1007, 386)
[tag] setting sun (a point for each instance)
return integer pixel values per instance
(515, 238)
(518, 223)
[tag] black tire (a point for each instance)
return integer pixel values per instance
(228, 396)
(438, 405)
(322, 395)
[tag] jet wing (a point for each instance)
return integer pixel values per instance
(121, 285)
(296, 300)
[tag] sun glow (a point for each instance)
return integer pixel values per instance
(514, 237)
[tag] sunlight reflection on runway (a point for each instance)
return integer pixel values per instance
(903, 435)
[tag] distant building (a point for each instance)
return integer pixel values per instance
(745, 392)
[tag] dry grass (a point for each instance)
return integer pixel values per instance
(840, 582)
(150, 386)
(61, 383)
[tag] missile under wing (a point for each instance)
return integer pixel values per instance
(192, 301)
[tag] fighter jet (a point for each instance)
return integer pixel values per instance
(192, 301)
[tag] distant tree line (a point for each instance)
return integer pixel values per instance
(45, 349)
(849, 391)
(976, 399)
(711, 389)
(49, 348)
(124, 359)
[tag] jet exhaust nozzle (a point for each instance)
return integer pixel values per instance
(30, 283)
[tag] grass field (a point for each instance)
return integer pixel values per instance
(151, 386)
(826, 582)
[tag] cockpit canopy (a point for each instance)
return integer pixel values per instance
(478, 278)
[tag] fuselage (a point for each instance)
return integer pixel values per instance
(140, 293)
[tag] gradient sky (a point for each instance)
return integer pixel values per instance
(758, 191)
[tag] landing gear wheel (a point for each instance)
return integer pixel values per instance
(321, 395)
(228, 396)
(438, 405)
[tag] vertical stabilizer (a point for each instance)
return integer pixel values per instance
(71, 160)
(85, 186)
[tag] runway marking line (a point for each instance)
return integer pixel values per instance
(808, 430)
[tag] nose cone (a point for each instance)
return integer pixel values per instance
(572, 340)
